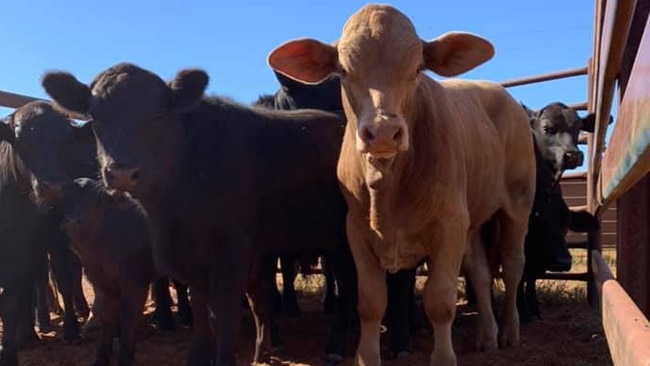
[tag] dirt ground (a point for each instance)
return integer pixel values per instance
(570, 334)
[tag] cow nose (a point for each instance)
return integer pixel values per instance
(49, 191)
(383, 139)
(122, 178)
(572, 159)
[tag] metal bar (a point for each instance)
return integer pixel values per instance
(564, 276)
(579, 106)
(545, 77)
(12, 100)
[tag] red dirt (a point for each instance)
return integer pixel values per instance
(570, 335)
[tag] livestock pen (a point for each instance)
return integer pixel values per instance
(616, 186)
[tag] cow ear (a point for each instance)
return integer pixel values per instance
(67, 92)
(83, 133)
(305, 60)
(583, 222)
(455, 53)
(589, 122)
(7, 132)
(528, 110)
(188, 88)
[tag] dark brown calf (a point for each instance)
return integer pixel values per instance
(109, 233)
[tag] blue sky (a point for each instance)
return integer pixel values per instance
(231, 39)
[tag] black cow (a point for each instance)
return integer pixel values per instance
(555, 128)
(325, 96)
(108, 230)
(37, 155)
(293, 95)
(219, 182)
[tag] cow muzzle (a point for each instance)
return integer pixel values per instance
(120, 177)
(572, 159)
(384, 137)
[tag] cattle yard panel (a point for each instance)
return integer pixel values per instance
(622, 54)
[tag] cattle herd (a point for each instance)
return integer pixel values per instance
(360, 157)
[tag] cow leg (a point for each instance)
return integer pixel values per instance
(531, 298)
(80, 302)
(342, 266)
(399, 286)
(15, 304)
(372, 294)
(289, 299)
(513, 228)
(228, 280)
(445, 251)
(163, 311)
(62, 260)
(522, 303)
(478, 273)
(259, 294)
(41, 288)
(131, 305)
(183, 303)
(199, 353)
(108, 319)
(330, 286)
(269, 264)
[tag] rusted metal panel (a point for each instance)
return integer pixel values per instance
(633, 255)
(12, 100)
(626, 328)
(545, 77)
(613, 38)
(627, 158)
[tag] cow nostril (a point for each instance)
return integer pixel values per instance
(398, 134)
(366, 134)
(135, 175)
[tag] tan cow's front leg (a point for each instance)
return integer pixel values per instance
(446, 248)
(513, 227)
(477, 270)
(372, 299)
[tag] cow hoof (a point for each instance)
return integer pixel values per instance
(71, 335)
(278, 350)
(506, 341)
(333, 359)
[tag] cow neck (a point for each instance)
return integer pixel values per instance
(546, 183)
(405, 174)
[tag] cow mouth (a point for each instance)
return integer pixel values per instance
(378, 169)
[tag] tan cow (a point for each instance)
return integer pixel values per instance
(424, 164)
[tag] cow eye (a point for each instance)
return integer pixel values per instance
(550, 130)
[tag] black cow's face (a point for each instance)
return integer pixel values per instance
(325, 95)
(135, 117)
(556, 128)
(43, 140)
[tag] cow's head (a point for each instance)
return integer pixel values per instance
(325, 95)
(46, 143)
(135, 117)
(380, 60)
(84, 200)
(556, 128)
